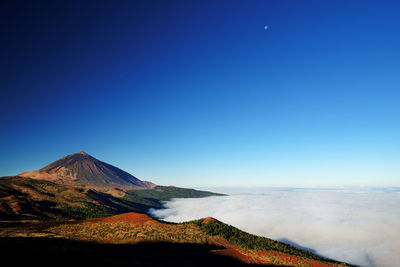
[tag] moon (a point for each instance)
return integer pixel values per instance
(266, 27)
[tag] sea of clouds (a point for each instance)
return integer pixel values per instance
(358, 226)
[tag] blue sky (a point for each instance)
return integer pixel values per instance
(198, 93)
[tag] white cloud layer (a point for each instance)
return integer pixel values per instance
(356, 226)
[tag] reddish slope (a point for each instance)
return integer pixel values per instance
(135, 227)
(131, 217)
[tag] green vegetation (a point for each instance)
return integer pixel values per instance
(249, 241)
(164, 193)
(79, 213)
(152, 198)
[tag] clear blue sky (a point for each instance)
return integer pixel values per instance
(198, 93)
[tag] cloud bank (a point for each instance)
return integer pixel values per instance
(356, 226)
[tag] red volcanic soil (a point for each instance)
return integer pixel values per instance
(221, 241)
(284, 258)
(233, 253)
(211, 219)
(289, 259)
(10, 198)
(317, 264)
(131, 217)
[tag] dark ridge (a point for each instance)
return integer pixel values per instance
(61, 252)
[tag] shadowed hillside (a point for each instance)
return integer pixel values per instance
(61, 252)
(183, 239)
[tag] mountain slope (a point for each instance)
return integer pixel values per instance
(30, 199)
(83, 170)
(134, 228)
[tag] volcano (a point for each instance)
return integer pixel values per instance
(82, 170)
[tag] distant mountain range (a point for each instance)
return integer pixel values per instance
(83, 170)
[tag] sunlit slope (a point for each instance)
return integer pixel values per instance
(82, 170)
(214, 236)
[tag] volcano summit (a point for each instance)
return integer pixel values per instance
(82, 170)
